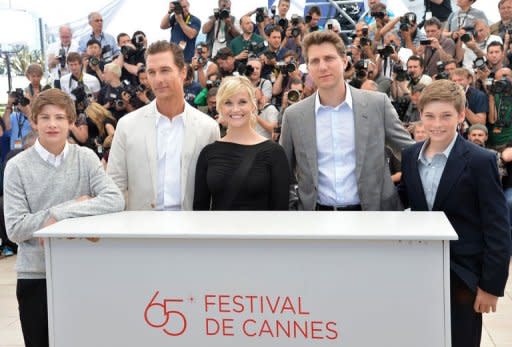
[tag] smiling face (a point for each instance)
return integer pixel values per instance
(238, 110)
(326, 66)
(440, 119)
(164, 76)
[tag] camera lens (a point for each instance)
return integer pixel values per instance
(293, 95)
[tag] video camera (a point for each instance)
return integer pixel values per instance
(19, 97)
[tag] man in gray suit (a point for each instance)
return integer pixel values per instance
(154, 153)
(335, 139)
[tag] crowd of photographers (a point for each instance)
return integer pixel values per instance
(397, 54)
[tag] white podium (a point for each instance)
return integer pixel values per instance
(204, 279)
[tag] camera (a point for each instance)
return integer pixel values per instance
(283, 23)
(501, 86)
(127, 52)
(378, 15)
(401, 73)
(480, 63)
(260, 14)
(177, 7)
(129, 88)
(308, 18)
(407, 20)
(329, 26)
(441, 73)
(270, 55)
(286, 68)
(468, 35)
(361, 68)
(115, 100)
(62, 57)
(19, 97)
(200, 59)
(386, 51)
(254, 48)
(93, 61)
(221, 13)
(365, 31)
(425, 42)
(295, 20)
(245, 70)
(212, 84)
(138, 41)
(293, 96)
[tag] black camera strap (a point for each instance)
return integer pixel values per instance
(73, 78)
(20, 120)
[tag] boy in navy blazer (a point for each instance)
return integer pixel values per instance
(447, 173)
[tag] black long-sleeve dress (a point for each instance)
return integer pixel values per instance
(265, 188)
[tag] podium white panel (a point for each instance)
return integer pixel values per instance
(198, 279)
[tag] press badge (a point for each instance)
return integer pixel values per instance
(17, 144)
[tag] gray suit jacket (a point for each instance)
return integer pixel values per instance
(132, 162)
(376, 125)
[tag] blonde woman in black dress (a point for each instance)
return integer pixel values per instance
(243, 170)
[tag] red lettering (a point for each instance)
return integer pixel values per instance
(223, 302)
(300, 308)
(296, 326)
(251, 298)
(334, 331)
(236, 301)
(226, 327)
(208, 325)
(265, 329)
(279, 326)
(314, 330)
(287, 305)
(273, 309)
(245, 330)
(206, 302)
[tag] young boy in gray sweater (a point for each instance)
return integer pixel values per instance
(49, 182)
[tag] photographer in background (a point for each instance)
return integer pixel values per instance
(184, 27)
(226, 62)
(108, 46)
(220, 29)
(504, 25)
(312, 19)
(403, 83)
(248, 43)
(475, 41)
(113, 95)
(93, 63)
(499, 121)
(436, 47)
(16, 118)
(202, 65)
(477, 105)
(79, 82)
(293, 36)
(132, 53)
(57, 52)
(407, 29)
(287, 70)
(253, 73)
(144, 95)
(191, 88)
(266, 119)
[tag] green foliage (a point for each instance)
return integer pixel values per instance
(21, 60)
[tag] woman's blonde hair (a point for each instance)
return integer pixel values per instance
(231, 86)
(98, 114)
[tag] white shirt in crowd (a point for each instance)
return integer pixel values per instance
(53, 50)
(68, 84)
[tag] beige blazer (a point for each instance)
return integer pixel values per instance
(132, 161)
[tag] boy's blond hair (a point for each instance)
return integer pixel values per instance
(445, 91)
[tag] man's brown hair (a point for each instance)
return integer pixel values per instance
(34, 69)
(443, 90)
(164, 46)
(319, 37)
(74, 57)
(55, 97)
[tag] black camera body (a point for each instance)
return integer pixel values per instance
(260, 14)
(480, 63)
(283, 23)
(221, 13)
(19, 97)
(441, 73)
(407, 21)
(62, 57)
(212, 84)
(386, 51)
(177, 7)
(502, 86)
(378, 15)
(286, 68)
(255, 48)
(401, 73)
(245, 70)
(470, 32)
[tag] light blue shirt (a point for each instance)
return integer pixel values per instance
(169, 140)
(431, 170)
(336, 153)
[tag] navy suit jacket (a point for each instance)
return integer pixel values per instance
(471, 196)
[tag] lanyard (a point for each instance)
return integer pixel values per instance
(20, 119)
(80, 79)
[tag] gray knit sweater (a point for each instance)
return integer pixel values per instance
(35, 190)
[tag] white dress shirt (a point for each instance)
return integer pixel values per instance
(54, 49)
(54, 160)
(68, 84)
(336, 153)
(169, 140)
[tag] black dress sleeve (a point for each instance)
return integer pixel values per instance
(280, 176)
(202, 196)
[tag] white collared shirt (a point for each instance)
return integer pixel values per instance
(336, 153)
(54, 160)
(169, 140)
